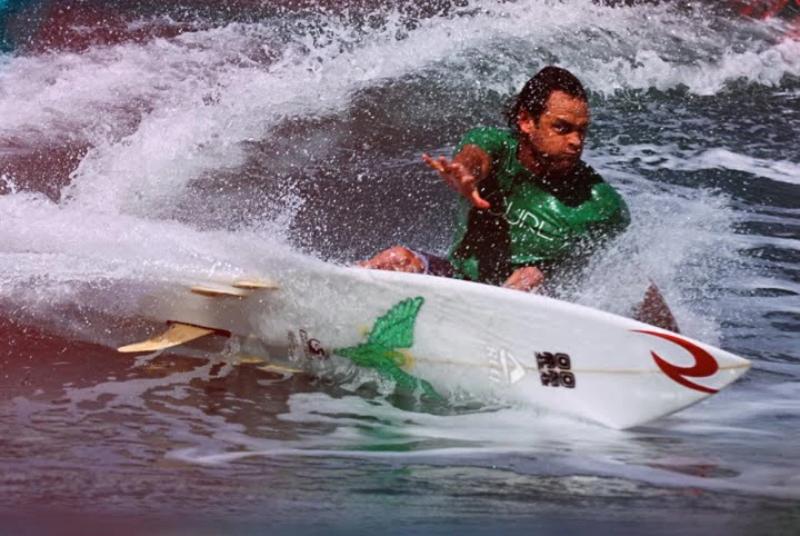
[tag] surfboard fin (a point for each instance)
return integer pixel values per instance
(175, 335)
(219, 291)
(281, 369)
(241, 288)
(255, 284)
(262, 364)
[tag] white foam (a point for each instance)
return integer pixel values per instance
(721, 158)
(48, 251)
(669, 156)
(679, 238)
(562, 445)
(160, 114)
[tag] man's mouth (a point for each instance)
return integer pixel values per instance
(567, 160)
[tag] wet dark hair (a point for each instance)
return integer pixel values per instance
(533, 97)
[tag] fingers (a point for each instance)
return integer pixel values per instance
(441, 164)
(459, 178)
(435, 164)
(477, 201)
(444, 168)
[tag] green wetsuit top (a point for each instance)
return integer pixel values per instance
(530, 223)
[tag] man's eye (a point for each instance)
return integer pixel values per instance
(562, 129)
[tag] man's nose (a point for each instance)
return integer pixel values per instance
(575, 141)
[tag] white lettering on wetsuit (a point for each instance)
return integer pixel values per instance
(528, 219)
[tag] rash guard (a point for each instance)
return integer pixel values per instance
(529, 223)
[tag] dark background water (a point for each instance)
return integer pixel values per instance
(146, 140)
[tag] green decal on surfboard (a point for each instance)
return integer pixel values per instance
(391, 332)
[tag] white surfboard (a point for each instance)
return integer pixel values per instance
(458, 336)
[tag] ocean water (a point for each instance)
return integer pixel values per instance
(149, 141)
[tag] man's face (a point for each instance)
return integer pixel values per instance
(557, 137)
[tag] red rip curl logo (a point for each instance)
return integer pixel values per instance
(704, 363)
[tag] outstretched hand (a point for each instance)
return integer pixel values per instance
(459, 178)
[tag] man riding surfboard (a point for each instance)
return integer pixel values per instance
(529, 203)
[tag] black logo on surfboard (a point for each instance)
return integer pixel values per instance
(555, 370)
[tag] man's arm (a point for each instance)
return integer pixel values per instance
(470, 166)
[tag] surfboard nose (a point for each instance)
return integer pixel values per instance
(732, 367)
(678, 372)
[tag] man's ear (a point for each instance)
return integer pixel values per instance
(525, 122)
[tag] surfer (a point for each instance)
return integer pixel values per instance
(530, 205)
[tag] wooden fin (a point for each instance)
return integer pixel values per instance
(250, 360)
(219, 291)
(255, 284)
(280, 368)
(175, 335)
